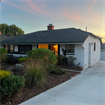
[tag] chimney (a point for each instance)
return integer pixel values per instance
(0, 32)
(50, 27)
(86, 29)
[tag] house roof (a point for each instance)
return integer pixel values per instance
(4, 37)
(69, 35)
(103, 46)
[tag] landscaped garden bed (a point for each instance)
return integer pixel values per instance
(27, 77)
(27, 93)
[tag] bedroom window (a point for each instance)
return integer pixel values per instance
(70, 49)
(24, 48)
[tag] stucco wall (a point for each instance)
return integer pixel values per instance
(95, 55)
(79, 52)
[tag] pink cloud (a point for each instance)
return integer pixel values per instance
(29, 6)
(90, 8)
(33, 6)
(72, 16)
(25, 9)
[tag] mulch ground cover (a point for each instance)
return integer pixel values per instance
(27, 93)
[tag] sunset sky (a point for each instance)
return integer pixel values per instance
(35, 15)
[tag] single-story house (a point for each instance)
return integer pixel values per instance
(102, 52)
(83, 45)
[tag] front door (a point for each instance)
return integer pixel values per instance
(54, 48)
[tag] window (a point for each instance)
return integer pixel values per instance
(24, 48)
(94, 46)
(10, 48)
(70, 48)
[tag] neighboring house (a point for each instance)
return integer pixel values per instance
(102, 52)
(3, 37)
(81, 44)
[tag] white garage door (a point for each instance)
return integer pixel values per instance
(102, 56)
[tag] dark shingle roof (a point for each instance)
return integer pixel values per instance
(70, 35)
(4, 37)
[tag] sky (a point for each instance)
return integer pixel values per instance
(35, 15)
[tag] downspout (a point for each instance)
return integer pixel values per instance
(83, 55)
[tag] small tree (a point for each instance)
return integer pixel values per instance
(3, 54)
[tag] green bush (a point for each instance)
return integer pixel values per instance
(58, 71)
(11, 85)
(4, 74)
(0, 65)
(22, 59)
(71, 61)
(60, 60)
(43, 54)
(35, 74)
(3, 54)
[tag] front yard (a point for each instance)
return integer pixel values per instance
(27, 93)
(25, 78)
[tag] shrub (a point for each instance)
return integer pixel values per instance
(60, 60)
(35, 74)
(3, 54)
(64, 52)
(4, 74)
(11, 85)
(71, 60)
(22, 59)
(43, 54)
(12, 60)
(1, 66)
(58, 71)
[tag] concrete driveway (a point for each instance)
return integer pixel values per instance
(88, 88)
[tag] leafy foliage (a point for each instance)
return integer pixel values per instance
(43, 54)
(3, 54)
(35, 74)
(12, 30)
(22, 59)
(64, 52)
(71, 60)
(60, 60)
(4, 74)
(12, 60)
(58, 71)
(11, 85)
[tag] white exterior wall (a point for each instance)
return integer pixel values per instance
(95, 55)
(79, 52)
(16, 48)
(34, 46)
